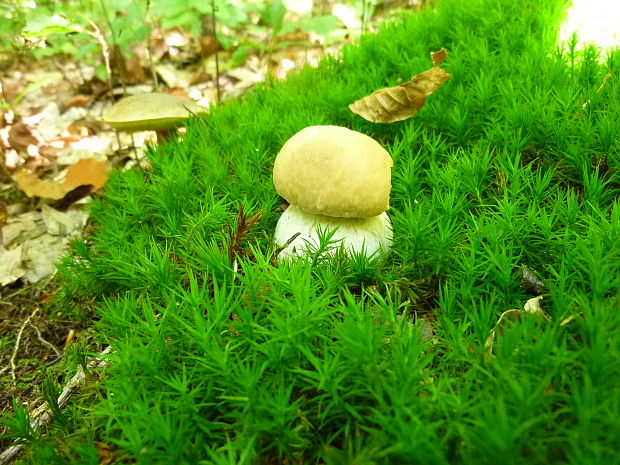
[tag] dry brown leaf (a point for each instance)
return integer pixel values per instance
(531, 281)
(20, 137)
(401, 102)
(78, 101)
(87, 171)
(35, 187)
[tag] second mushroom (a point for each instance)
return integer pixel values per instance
(336, 180)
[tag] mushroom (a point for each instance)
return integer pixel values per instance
(157, 112)
(337, 181)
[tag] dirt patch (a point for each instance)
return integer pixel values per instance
(30, 343)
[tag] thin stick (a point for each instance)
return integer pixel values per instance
(148, 46)
(17, 342)
(105, 51)
(217, 60)
(47, 343)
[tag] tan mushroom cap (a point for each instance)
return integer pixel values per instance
(334, 171)
(150, 112)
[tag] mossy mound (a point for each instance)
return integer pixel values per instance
(222, 356)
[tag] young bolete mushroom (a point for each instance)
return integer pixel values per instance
(335, 180)
(157, 112)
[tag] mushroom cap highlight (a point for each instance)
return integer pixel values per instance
(372, 236)
(150, 112)
(334, 171)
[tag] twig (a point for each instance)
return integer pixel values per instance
(148, 46)
(43, 415)
(47, 343)
(105, 51)
(217, 60)
(287, 243)
(17, 342)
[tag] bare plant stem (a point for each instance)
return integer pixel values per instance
(217, 60)
(44, 341)
(364, 9)
(149, 50)
(105, 52)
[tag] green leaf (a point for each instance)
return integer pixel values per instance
(231, 15)
(321, 25)
(188, 20)
(239, 56)
(170, 8)
(201, 6)
(273, 15)
(43, 25)
(128, 30)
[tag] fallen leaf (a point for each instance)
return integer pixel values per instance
(40, 256)
(78, 101)
(20, 137)
(35, 187)
(69, 223)
(531, 307)
(87, 171)
(531, 281)
(11, 265)
(401, 102)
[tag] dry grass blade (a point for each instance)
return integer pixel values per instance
(240, 232)
(397, 103)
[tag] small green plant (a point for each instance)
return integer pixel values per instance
(82, 29)
(18, 425)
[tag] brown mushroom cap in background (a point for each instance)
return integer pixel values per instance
(150, 112)
(334, 171)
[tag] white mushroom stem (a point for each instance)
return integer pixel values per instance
(372, 236)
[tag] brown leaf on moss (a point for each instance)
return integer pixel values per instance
(85, 172)
(401, 102)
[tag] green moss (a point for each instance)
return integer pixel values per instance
(512, 162)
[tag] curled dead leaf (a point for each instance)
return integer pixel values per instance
(531, 307)
(397, 103)
(531, 281)
(86, 172)
(20, 137)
